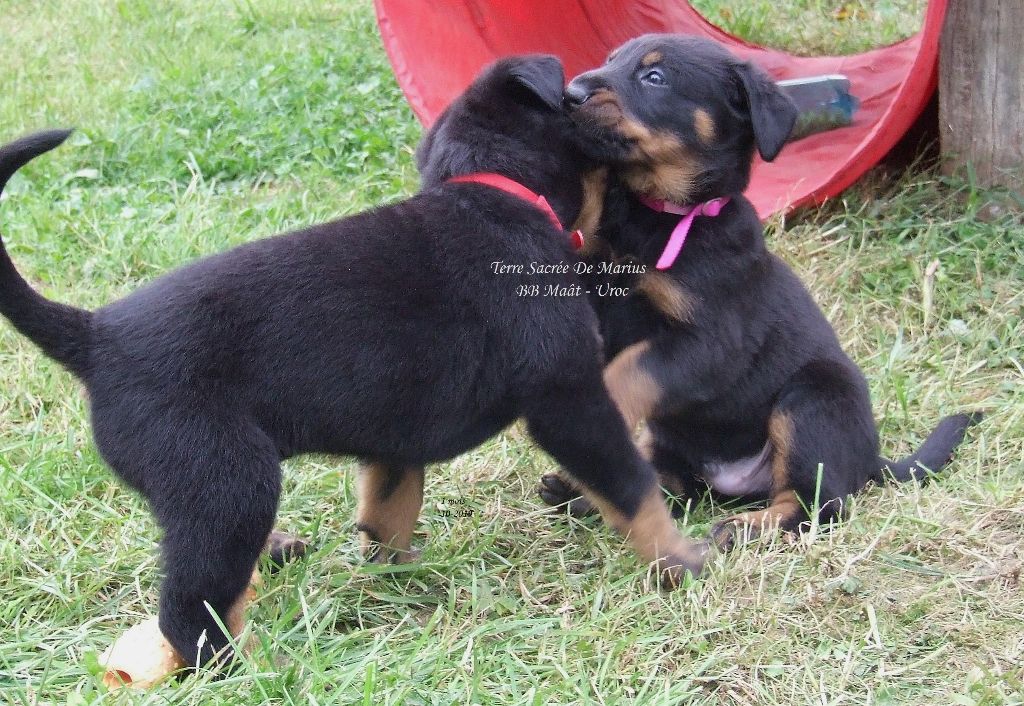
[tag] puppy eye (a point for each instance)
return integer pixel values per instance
(654, 77)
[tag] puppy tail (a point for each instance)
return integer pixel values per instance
(62, 332)
(934, 453)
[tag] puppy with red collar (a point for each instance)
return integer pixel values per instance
(388, 336)
(719, 348)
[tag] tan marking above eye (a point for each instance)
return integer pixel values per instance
(651, 58)
(704, 125)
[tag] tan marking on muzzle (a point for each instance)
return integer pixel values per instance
(661, 166)
(604, 108)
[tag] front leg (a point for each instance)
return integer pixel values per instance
(558, 490)
(581, 429)
(390, 498)
(632, 386)
(652, 376)
(668, 373)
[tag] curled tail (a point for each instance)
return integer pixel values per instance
(933, 454)
(61, 331)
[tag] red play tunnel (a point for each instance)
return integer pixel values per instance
(437, 47)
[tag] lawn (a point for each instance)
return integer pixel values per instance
(205, 125)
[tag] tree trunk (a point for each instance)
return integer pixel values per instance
(981, 90)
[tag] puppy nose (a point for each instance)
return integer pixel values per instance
(577, 93)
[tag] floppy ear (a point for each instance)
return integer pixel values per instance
(541, 75)
(772, 113)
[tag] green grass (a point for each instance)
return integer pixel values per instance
(204, 128)
(816, 27)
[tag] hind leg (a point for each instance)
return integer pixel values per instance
(215, 493)
(582, 429)
(824, 444)
(390, 498)
(212, 480)
(785, 510)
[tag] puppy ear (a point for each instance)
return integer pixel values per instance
(542, 76)
(772, 113)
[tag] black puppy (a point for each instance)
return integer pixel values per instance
(387, 336)
(719, 347)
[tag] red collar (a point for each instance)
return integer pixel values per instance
(510, 186)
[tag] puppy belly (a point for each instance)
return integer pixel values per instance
(746, 476)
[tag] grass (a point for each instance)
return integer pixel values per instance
(816, 27)
(205, 126)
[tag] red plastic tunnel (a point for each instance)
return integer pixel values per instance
(437, 46)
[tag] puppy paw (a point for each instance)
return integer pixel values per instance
(410, 556)
(732, 532)
(554, 491)
(679, 568)
(376, 551)
(381, 554)
(283, 548)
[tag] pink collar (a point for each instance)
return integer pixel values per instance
(679, 233)
(510, 186)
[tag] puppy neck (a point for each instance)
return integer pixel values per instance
(543, 157)
(733, 239)
(687, 216)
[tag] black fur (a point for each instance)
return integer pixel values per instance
(61, 331)
(385, 336)
(755, 343)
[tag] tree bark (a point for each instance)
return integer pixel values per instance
(981, 90)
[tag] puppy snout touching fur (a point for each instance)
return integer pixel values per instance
(578, 92)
